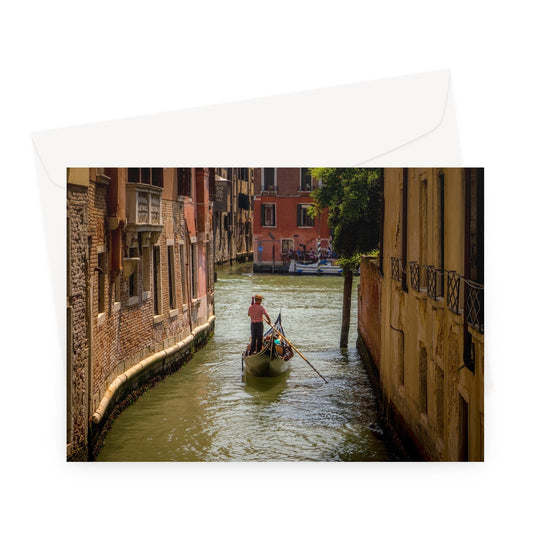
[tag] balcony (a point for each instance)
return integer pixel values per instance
(414, 269)
(270, 190)
(143, 207)
(475, 305)
(435, 282)
(395, 268)
(453, 291)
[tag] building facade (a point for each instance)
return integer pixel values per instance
(140, 285)
(421, 311)
(233, 214)
(282, 228)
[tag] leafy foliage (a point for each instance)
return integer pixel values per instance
(352, 196)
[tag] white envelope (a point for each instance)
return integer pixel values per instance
(404, 121)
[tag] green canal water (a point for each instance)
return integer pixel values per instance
(207, 412)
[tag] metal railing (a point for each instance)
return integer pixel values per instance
(395, 268)
(434, 282)
(271, 189)
(475, 305)
(453, 291)
(414, 269)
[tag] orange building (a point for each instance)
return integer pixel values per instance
(140, 287)
(283, 229)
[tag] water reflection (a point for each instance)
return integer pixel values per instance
(208, 412)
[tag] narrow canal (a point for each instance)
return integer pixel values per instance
(207, 412)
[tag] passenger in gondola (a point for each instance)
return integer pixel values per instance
(278, 346)
(256, 312)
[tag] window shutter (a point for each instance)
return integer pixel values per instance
(262, 215)
(274, 215)
(298, 215)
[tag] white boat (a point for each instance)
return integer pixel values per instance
(324, 266)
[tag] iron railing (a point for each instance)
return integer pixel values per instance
(270, 189)
(414, 269)
(453, 292)
(475, 305)
(434, 282)
(395, 268)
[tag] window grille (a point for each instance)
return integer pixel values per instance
(474, 297)
(395, 268)
(453, 291)
(434, 282)
(414, 269)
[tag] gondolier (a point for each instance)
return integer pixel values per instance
(274, 357)
(256, 312)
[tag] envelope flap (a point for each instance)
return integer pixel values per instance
(341, 126)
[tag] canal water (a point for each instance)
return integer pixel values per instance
(207, 411)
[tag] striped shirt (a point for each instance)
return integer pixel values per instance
(256, 312)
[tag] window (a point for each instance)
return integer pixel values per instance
(405, 196)
(101, 282)
(268, 215)
(305, 180)
(146, 269)
(269, 179)
(133, 279)
(463, 429)
(423, 380)
(303, 217)
(171, 278)
(287, 245)
(148, 176)
(184, 182)
(440, 400)
(423, 231)
(157, 280)
(117, 289)
(194, 271)
(400, 346)
(183, 264)
(441, 219)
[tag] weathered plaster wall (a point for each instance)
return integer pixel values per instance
(435, 400)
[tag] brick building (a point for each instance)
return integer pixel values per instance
(282, 227)
(139, 285)
(233, 214)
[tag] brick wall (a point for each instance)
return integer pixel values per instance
(369, 314)
(77, 410)
(128, 333)
(105, 342)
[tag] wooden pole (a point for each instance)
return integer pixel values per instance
(346, 307)
(296, 349)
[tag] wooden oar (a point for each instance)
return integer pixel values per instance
(296, 349)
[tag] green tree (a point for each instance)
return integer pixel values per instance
(352, 196)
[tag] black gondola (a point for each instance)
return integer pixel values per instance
(273, 359)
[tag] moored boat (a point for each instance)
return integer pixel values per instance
(273, 359)
(323, 266)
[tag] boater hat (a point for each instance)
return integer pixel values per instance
(258, 297)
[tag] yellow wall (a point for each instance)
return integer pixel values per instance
(429, 388)
(78, 176)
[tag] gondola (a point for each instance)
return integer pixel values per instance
(274, 359)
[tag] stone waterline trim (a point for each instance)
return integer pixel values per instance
(120, 380)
